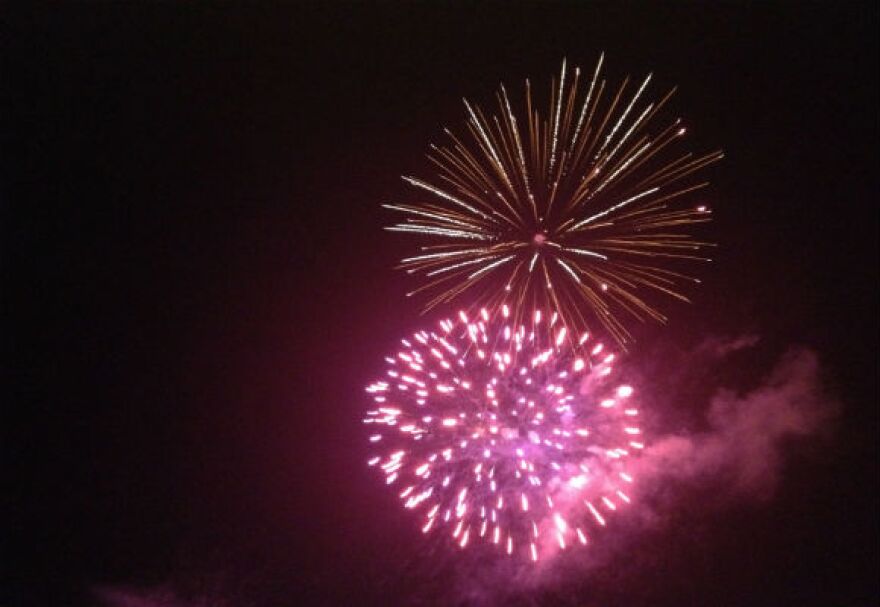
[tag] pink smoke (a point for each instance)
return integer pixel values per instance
(742, 451)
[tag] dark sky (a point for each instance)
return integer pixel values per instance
(197, 286)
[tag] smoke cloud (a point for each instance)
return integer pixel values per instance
(741, 450)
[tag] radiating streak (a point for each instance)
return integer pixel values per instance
(437, 216)
(438, 192)
(619, 205)
(580, 123)
(522, 159)
(626, 135)
(438, 231)
(556, 119)
(586, 252)
(569, 270)
(623, 116)
(441, 255)
(532, 262)
(492, 265)
(469, 262)
(491, 148)
(623, 166)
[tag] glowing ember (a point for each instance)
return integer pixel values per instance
(504, 434)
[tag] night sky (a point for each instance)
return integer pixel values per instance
(197, 288)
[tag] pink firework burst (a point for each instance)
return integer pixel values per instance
(513, 435)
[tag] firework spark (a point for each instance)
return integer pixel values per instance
(582, 212)
(495, 433)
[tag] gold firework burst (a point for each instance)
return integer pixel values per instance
(582, 213)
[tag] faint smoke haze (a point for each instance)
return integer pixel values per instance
(742, 448)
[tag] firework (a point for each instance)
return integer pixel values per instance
(503, 433)
(581, 212)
